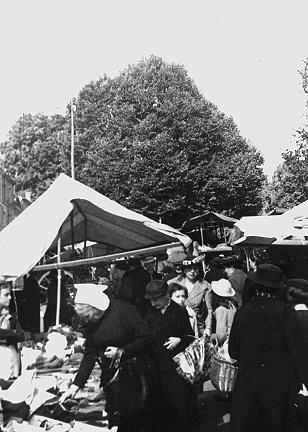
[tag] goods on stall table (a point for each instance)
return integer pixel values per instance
(57, 426)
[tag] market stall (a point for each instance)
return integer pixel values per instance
(66, 214)
(285, 236)
(210, 228)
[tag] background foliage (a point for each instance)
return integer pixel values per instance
(148, 139)
(289, 185)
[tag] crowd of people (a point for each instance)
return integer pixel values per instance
(259, 314)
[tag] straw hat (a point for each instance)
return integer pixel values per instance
(223, 288)
(92, 295)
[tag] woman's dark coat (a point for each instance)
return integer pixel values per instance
(14, 334)
(178, 395)
(265, 339)
(121, 326)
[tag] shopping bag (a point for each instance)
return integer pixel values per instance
(194, 362)
(223, 373)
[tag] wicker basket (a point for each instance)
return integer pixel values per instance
(222, 374)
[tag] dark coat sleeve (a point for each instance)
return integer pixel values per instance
(142, 338)
(291, 331)
(187, 334)
(87, 363)
(139, 340)
(13, 335)
(234, 338)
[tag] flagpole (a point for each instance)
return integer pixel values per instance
(73, 107)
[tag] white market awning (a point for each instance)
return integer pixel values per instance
(78, 213)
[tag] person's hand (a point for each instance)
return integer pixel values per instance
(303, 391)
(172, 342)
(69, 394)
(111, 352)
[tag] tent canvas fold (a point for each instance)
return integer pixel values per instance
(95, 217)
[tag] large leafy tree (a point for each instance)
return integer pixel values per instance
(289, 185)
(34, 153)
(150, 140)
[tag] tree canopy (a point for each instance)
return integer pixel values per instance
(289, 185)
(33, 154)
(149, 140)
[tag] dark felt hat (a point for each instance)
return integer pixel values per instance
(229, 261)
(155, 289)
(268, 275)
(301, 284)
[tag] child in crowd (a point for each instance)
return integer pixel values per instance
(179, 294)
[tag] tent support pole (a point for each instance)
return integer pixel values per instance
(85, 230)
(201, 233)
(59, 281)
(72, 230)
(224, 232)
(85, 237)
(105, 258)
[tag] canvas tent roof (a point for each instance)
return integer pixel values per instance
(208, 218)
(27, 238)
(289, 228)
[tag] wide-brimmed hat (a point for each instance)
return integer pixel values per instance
(92, 295)
(223, 288)
(268, 275)
(191, 260)
(301, 284)
(155, 289)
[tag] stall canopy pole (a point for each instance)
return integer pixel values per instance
(106, 258)
(85, 230)
(72, 230)
(201, 233)
(59, 281)
(85, 237)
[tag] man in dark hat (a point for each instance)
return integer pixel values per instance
(132, 286)
(265, 339)
(216, 271)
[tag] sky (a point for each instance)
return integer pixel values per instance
(244, 56)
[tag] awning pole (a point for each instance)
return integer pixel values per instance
(59, 281)
(201, 232)
(224, 233)
(247, 259)
(85, 237)
(72, 231)
(105, 258)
